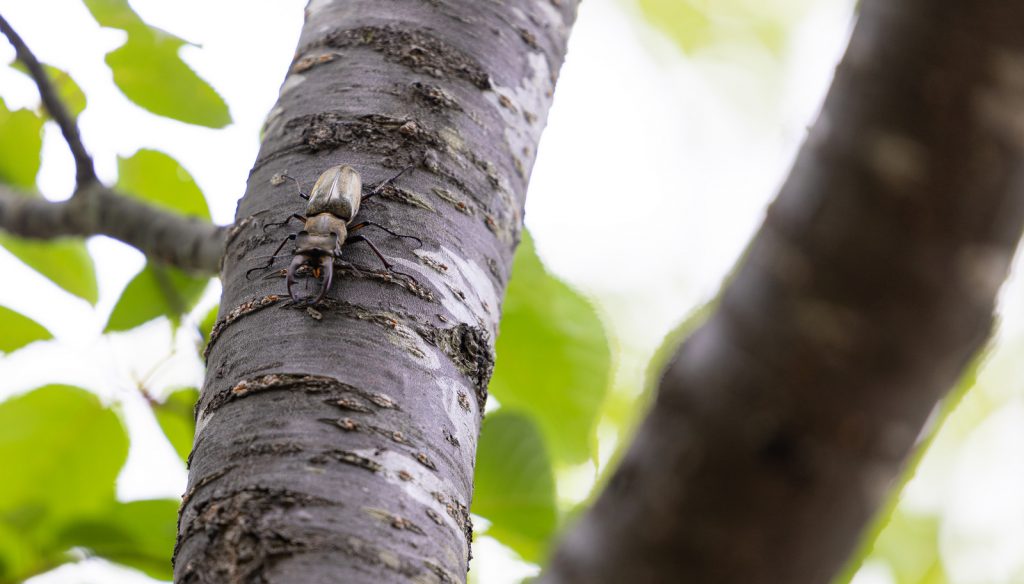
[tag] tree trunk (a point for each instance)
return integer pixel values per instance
(336, 443)
(779, 426)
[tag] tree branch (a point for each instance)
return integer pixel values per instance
(85, 173)
(781, 423)
(186, 243)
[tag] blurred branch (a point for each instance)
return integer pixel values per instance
(780, 424)
(183, 242)
(85, 173)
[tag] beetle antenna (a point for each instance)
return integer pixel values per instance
(380, 187)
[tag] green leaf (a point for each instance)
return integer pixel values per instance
(19, 330)
(62, 451)
(687, 24)
(154, 292)
(69, 92)
(18, 558)
(909, 544)
(177, 420)
(514, 486)
(208, 322)
(206, 327)
(139, 534)
(65, 262)
(149, 71)
(158, 179)
(21, 144)
(114, 14)
(695, 25)
(553, 357)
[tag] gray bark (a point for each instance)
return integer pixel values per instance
(187, 243)
(336, 444)
(779, 425)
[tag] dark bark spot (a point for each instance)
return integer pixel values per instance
(420, 50)
(470, 349)
(314, 384)
(434, 97)
(379, 134)
(346, 457)
(241, 545)
(784, 452)
(422, 458)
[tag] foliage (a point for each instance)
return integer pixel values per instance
(66, 498)
(174, 414)
(149, 71)
(696, 25)
(65, 262)
(19, 330)
(64, 449)
(514, 486)
(553, 357)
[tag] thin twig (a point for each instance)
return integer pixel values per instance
(85, 173)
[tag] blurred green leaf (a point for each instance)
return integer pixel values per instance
(514, 486)
(206, 325)
(149, 71)
(176, 419)
(19, 330)
(114, 14)
(139, 534)
(21, 144)
(553, 357)
(684, 22)
(62, 451)
(909, 544)
(158, 179)
(65, 262)
(695, 25)
(158, 290)
(18, 558)
(69, 92)
(154, 292)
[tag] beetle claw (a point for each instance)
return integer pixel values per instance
(297, 263)
(327, 265)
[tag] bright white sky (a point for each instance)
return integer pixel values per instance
(645, 221)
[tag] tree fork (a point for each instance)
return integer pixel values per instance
(780, 425)
(323, 449)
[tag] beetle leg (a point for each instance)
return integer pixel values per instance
(362, 224)
(327, 263)
(301, 218)
(387, 264)
(297, 262)
(273, 256)
(380, 187)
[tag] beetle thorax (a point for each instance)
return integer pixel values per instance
(324, 234)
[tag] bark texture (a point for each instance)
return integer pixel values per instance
(781, 423)
(335, 443)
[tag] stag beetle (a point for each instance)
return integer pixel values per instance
(331, 207)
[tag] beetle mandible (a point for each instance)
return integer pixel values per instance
(331, 207)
